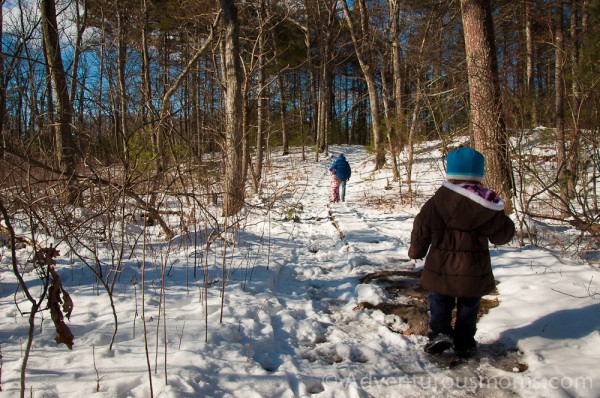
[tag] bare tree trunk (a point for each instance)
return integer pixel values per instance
(585, 15)
(3, 84)
(283, 111)
(121, 83)
(575, 47)
(159, 135)
(148, 111)
(312, 87)
(262, 104)
(65, 148)
(529, 85)
(396, 85)
(234, 183)
(312, 69)
(574, 150)
(49, 126)
(246, 107)
(362, 46)
(487, 123)
(326, 16)
(99, 111)
(323, 102)
(559, 107)
(196, 121)
(301, 115)
(412, 132)
(81, 21)
(396, 63)
(389, 124)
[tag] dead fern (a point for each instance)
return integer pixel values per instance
(45, 257)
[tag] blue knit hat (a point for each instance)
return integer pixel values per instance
(465, 164)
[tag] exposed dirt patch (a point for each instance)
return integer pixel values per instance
(411, 306)
(411, 303)
(411, 299)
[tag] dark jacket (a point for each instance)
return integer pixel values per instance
(455, 225)
(342, 168)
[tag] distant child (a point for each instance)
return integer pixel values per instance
(453, 229)
(335, 187)
(343, 171)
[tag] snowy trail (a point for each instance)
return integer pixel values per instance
(338, 245)
(307, 336)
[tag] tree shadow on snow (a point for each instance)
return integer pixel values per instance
(571, 323)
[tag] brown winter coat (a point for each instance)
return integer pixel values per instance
(455, 225)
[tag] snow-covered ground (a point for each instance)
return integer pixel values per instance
(288, 325)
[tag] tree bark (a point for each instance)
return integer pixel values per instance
(65, 148)
(283, 115)
(121, 127)
(3, 140)
(396, 85)
(234, 184)
(389, 124)
(324, 97)
(559, 106)
(261, 103)
(327, 18)
(576, 100)
(486, 120)
(148, 111)
(360, 39)
(529, 84)
(81, 22)
(312, 81)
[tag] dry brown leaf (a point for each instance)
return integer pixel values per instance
(55, 291)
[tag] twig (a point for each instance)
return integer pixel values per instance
(590, 294)
(180, 334)
(98, 378)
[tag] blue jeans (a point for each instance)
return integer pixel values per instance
(467, 308)
(343, 190)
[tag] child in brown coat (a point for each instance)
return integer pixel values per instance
(452, 231)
